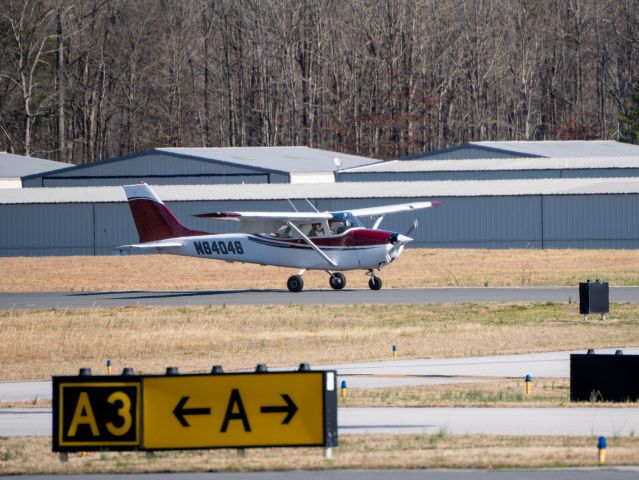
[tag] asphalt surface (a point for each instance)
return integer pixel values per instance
(618, 422)
(389, 296)
(617, 473)
(503, 421)
(396, 373)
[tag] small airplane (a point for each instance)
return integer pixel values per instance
(329, 241)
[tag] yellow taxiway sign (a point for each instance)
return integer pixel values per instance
(96, 414)
(235, 410)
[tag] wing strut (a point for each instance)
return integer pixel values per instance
(311, 244)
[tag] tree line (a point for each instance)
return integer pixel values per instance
(82, 80)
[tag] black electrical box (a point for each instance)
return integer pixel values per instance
(606, 378)
(594, 297)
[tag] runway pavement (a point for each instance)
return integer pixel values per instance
(601, 473)
(389, 296)
(396, 421)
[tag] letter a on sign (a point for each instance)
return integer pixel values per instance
(83, 416)
(234, 400)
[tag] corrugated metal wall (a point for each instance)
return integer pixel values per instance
(535, 221)
(463, 222)
(591, 221)
(450, 175)
(53, 229)
(158, 180)
(484, 175)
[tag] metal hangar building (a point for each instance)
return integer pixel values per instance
(200, 166)
(537, 213)
(505, 161)
(14, 168)
(493, 169)
(531, 149)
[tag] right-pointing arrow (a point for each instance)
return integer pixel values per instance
(290, 409)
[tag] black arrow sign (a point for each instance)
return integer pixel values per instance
(290, 408)
(179, 411)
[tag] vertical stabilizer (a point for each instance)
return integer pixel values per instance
(152, 219)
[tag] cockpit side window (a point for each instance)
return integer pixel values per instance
(283, 231)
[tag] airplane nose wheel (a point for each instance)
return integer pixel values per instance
(375, 283)
(337, 281)
(295, 283)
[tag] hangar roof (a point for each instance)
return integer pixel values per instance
(264, 159)
(573, 186)
(567, 148)
(480, 164)
(545, 148)
(19, 166)
(283, 159)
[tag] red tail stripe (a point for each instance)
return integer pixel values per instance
(155, 222)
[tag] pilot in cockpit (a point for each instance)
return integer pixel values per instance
(344, 226)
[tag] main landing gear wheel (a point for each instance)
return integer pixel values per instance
(337, 281)
(375, 283)
(295, 283)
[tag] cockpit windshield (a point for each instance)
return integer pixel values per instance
(343, 221)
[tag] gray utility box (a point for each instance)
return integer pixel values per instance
(594, 297)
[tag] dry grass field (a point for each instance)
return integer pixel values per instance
(40, 343)
(489, 393)
(415, 268)
(495, 392)
(23, 455)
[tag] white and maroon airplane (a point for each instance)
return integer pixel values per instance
(329, 241)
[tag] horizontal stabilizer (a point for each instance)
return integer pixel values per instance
(153, 245)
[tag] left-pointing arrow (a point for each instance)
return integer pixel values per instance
(179, 411)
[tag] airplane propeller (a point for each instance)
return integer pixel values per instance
(412, 228)
(398, 240)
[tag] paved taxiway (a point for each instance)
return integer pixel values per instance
(395, 373)
(607, 473)
(507, 421)
(389, 296)
(591, 421)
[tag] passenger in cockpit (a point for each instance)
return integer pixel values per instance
(316, 230)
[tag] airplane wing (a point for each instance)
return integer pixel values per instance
(261, 216)
(386, 209)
